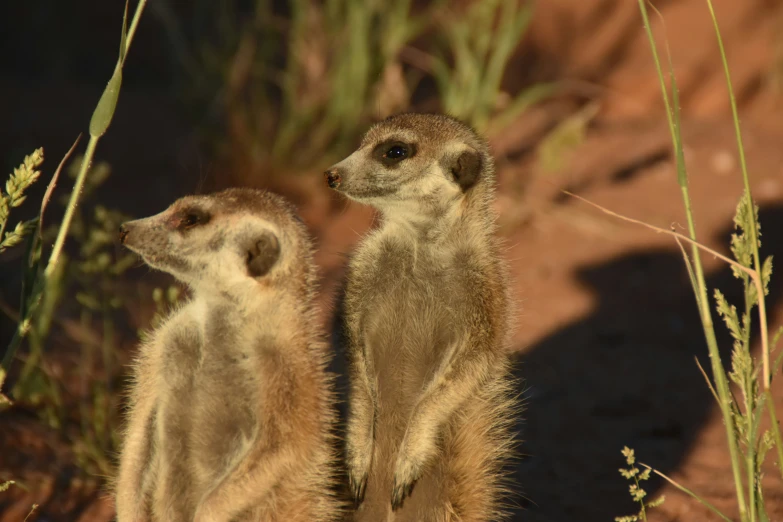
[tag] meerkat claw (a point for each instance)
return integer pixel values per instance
(358, 489)
(400, 492)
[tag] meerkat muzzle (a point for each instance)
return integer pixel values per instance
(332, 177)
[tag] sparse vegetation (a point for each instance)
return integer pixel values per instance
(638, 494)
(44, 286)
(752, 375)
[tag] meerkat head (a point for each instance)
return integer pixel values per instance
(223, 241)
(422, 160)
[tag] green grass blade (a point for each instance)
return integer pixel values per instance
(689, 492)
(682, 175)
(97, 127)
(527, 98)
(124, 36)
(753, 232)
(719, 373)
(707, 380)
(104, 112)
(746, 181)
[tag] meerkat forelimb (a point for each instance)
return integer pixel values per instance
(231, 412)
(132, 496)
(426, 322)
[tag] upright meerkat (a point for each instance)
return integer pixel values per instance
(231, 407)
(425, 321)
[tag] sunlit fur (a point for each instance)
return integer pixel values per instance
(230, 408)
(425, 319)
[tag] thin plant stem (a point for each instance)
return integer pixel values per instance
(775, 429)
(87, 161)
(32, 509)
(688, 491)
(719, 374)
(752, 273)
(755, 277)
(707, 380)
(745, 179)
(53, 182)
(132, 29)
(78, 186)
(643, 511)
(765, 359)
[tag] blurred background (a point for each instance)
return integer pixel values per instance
(268, 93)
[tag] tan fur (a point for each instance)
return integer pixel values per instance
(230, 414)
(425, 316)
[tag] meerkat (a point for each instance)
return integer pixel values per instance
(425, 318)
(231, 408)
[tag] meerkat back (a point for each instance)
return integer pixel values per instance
(231, 411)
(426, 321)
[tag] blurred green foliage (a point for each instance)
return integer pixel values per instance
(87, 286)
(293, 91)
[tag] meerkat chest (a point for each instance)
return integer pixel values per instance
(407, 304)
(224, 397)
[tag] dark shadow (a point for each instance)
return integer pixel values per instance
(624, 375)
(640, 165)
(622, 172)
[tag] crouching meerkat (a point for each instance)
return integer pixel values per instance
(231, 406)
(424, 318)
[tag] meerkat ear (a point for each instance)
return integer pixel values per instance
(466, 169)
(263, 254)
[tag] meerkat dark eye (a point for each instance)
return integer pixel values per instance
(392, 152)
(192, 217)
(397, 152)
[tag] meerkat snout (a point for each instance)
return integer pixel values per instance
(333, 178)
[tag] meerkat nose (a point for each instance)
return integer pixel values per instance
(332, 177)
(123, 233)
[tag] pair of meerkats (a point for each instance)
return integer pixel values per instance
(231, 409)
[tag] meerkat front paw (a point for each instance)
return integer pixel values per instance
(359, 452)
(359, 470)
(358, 485)
(405, 478)
(415, 451)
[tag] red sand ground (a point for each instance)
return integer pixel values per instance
(608, 330)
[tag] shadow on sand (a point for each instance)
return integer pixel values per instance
(624, 375)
